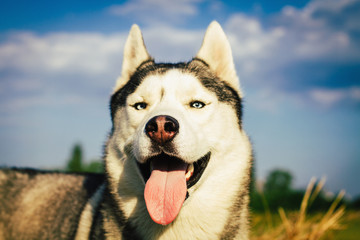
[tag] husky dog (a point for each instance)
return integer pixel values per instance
(177, 160)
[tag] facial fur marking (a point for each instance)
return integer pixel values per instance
(224, 92)
(118, 99)
(198, 67)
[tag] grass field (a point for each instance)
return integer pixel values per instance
(351, 231)
(349, 227)
(333, 224)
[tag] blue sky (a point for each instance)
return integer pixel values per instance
(298, 62)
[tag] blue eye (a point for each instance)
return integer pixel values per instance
(140, 105)
(197, 104)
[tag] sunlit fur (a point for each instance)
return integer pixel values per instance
(207, 213)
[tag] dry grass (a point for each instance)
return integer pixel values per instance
(298, 225)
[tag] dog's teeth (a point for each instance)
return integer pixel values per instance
(189, 171)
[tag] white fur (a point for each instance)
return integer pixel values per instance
(87, 215)
(179, 90)
(134, 54)
(216, 47)
(213, 128)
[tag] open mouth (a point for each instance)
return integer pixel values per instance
(167, 181)
(193, 173)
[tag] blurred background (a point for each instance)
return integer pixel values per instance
(298, 63)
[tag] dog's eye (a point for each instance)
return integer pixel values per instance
(197, 104)
(140, 105)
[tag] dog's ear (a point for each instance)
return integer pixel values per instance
(216, 52)
(135, 53)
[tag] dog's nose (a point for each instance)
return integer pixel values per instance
(162, 129)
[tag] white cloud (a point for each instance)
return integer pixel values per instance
(156, 10)
(327, 97)
(249, 38)
(330, 97)
(307, 16)
(67, 68)
(262, 52)
(89, 53)
(251, 42)
(172, 44)
(266, 51)
(296, 35)
(321, 29)
(57, 69)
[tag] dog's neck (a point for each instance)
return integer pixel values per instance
(204, 213)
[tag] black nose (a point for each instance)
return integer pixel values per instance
(162, 129)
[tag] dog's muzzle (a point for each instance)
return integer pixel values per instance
(162, 129)
(167, 177)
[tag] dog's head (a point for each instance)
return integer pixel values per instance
(169, 120)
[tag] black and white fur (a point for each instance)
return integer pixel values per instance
(204, 97)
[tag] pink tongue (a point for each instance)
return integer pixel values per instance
(165, 191)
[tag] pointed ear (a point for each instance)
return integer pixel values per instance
(134, 54)
(216, 52)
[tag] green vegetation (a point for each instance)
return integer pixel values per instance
(76, 163)
(277, 192)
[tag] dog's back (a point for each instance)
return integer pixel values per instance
(43, 205)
